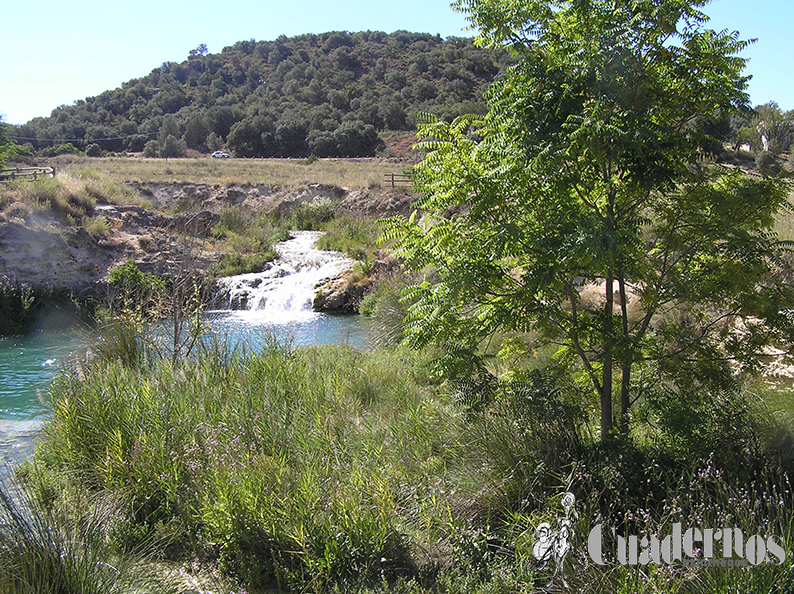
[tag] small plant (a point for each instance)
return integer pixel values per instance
(97, 227)
(231, 264)
(93, 150)
(312, 215)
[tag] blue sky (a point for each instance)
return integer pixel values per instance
(56, 52)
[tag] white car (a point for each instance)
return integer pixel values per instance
(220, 155)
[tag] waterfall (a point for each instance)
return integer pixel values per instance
(285, 291)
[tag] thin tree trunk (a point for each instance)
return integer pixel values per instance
(625, 379)
(606, 383)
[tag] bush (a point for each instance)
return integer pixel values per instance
(310, 216)
(61, 149)
(766, 163)
(93, 150)
(135, 288)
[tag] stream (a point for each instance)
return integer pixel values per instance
(249, 309)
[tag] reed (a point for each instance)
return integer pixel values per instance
(332, 469)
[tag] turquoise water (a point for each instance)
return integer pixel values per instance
(28, 364)
(280, 301)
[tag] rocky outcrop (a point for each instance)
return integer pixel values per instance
(38, 249)
(256, 197)
(342, 294)
(47, 256)
(378, 202)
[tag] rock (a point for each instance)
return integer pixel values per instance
(342, 294)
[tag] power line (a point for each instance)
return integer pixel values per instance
(82, 139)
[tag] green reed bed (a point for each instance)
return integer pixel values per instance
(328, 469)
(292, 467)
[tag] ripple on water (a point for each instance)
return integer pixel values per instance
(17, 441)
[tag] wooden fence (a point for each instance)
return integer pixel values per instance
(25, 173)
(397, 179)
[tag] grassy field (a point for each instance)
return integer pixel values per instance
(348, 173)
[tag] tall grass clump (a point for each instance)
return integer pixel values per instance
(293, 468)
(45, 550)
(69, 197)
(387, 310)
(354, 235)
(332, 469)
(249, 240)
(312, 216)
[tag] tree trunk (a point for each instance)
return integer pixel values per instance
(606, 383)
(625, 379)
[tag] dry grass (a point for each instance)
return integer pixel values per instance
(784, 226)
(348, 173)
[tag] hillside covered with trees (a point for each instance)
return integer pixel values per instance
(330, 95)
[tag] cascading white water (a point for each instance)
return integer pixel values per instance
(284, 293)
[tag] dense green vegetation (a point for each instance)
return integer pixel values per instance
(584, 209)
(332, 469)
(50, 549)
(578, 248)
(328, 95)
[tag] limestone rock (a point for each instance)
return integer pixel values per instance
(342, 294)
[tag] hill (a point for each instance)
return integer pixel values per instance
(331, 95)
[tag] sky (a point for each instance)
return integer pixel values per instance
(57, 52)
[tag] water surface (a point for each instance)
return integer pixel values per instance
(253, 309)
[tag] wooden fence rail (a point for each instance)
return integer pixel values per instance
(25, 173)
(397, 179)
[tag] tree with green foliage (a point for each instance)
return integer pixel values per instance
(151, 149)
(60, 149)
(286, 89)
(6, 143)
(245, 139)
(93, 150)
(581, 209)
(775, 127)
(173, 147)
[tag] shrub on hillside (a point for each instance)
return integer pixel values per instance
(93, 150)
(61, 149)
(766, 163)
